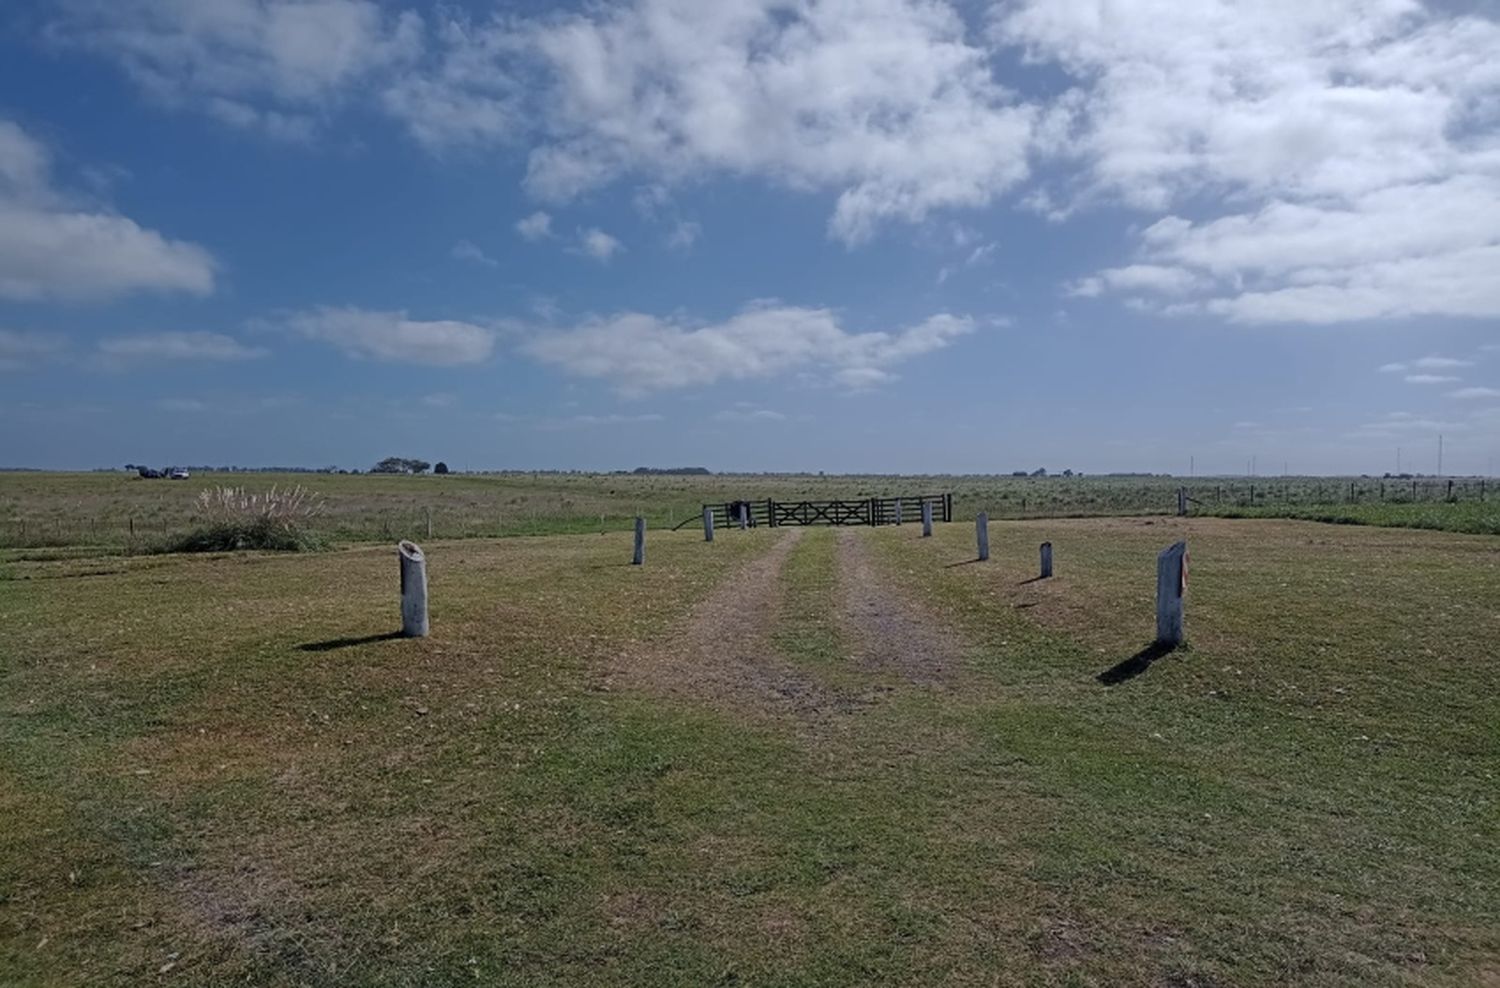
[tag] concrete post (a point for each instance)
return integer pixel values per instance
(744, 515)
(898, 511)
(708, 524)
(1171, 585)
(639, 558)
(413, 590)
(1046, 560)
(982, 535)
(1182, 501)
(926, 519)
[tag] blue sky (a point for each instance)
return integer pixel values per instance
(885, 235)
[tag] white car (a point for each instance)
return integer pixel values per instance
(178, 474)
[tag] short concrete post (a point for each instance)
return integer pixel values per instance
(744, 515)
(1171, 584)
(926, 519)
(982, 535)
(1046, 560)
(413, 590)
(639, 558)
(1182, 501)
(898, 511)
(708, 524)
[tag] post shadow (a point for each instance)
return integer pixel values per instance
(334, 643)
(966, 562)
(1135, 665)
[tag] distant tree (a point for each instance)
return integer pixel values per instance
(400, 464)
(1039, 472)
(440, 468)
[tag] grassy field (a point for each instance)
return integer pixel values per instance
(787, 758)
(124, 512)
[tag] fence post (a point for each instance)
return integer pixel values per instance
(744, 513)
(1171, 582)
(1352, 498)
(1046, 560)
(982, 535)
(639, 558)
(708, 523)
(898, 511)
(926, 518)
(1181, 501)
(413, 590)
(770, 513)
(1450, 490)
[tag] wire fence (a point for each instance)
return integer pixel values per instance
(1032, 498)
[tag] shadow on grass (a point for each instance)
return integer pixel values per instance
(1034, 579)
(966, 562)
(335, 643)
(1135, 665)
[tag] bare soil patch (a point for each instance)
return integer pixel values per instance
(888, 630)
(723, 653)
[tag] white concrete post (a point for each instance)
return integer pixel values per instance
(744, 515)
(413, 590)
(708, 524)
(1171, 584)
(982, 535)
(898, 511)
(639, 558)
(1046, 560)
(926, 519)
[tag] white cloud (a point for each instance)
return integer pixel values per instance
(684, 234)
(440, 399)
(51, 248)
(593, 421)
(19, 350)
(1471, 394)
(155, 348)
(392, 337)
(1349, 142)
(535, 227)
(464, 250)
(883, 101)
(1396, 368)
(640, 353)
(747, 414)
(597, 244)
(1441, 363)
(1137, 278)
(275, 65)
(1430, 379)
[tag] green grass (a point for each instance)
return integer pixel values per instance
(218, 766)
(1473, 517)
(116, 510)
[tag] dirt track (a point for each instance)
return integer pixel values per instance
(885, 629)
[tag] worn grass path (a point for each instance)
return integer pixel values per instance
(788, 758)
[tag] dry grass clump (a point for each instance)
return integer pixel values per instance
(233, 518)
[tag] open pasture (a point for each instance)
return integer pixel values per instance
(117, 511)
(790, 757)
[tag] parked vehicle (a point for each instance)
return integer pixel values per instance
(178, 474)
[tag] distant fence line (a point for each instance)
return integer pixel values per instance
(1036, 499)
